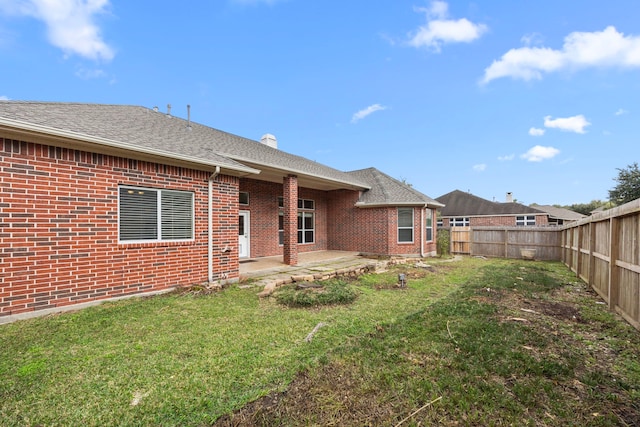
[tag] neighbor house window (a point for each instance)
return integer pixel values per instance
(459, 222)
(429, 225)
(526, 220)
(146, 214)
(405, 225)
(243, 198)
(306, 221)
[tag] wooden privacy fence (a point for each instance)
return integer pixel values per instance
(604, 251)
(541, 243)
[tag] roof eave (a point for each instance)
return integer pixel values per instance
(492, 215)
(337, 183)
(18, 130)
(402, 204)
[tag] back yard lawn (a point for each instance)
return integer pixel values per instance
(488, 342)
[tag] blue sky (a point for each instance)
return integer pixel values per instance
(540, 99)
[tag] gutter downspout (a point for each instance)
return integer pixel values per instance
(422, 231)
(210, 225)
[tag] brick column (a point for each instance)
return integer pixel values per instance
(290, 196)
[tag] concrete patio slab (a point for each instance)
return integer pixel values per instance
(271, 271)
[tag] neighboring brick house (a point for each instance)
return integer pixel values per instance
(466, 210)
(102, 201)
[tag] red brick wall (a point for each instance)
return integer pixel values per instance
(415, 248)
(371, 230)
(356, 229)
(59, 228)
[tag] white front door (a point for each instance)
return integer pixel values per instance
(243, 234)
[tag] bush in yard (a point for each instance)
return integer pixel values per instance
(323, 293)
(443, 242)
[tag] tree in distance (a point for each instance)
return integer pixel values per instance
(628, 187)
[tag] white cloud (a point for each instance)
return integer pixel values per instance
(87, 74)
(365, 112)
(506, 158)
(70, 24)
(570, 124)
(540, 153)
(480, 167)
(621, 111)
(439, 30)
(4, 98)
(531, 39)
(536, 132)
(607, 48)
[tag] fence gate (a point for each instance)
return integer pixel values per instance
(460, 238)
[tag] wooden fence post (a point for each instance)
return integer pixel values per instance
(579, 252)
(614, 276)
(506, 243)
(592, 258)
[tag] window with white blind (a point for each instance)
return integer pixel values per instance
(148, 215)
(405, 225)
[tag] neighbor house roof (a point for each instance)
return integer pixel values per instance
(148, 134)
(386, 191)
(461, 204)
(559, 213)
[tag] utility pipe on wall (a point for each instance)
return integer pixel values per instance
(210, 225)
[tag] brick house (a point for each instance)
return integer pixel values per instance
(466, 210)
(104, 201)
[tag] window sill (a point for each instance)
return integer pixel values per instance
(156, 244)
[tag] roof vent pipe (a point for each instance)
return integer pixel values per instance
(169, 110)
(188, 116)
(269, 140)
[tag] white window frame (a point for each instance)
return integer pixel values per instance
(243, 195)
(428, 225)
(525, 220)
(459, 222)
(406, 227)
(158, 215)
(306, 207)
(303, 230)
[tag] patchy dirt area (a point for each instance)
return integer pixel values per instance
(330, 396)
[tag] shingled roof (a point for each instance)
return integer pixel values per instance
(461, 204)
(387, 191)
(559, 213)
(145, 132)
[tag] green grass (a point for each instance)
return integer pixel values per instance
(179, 359)
(455, 333)
(481, 360)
